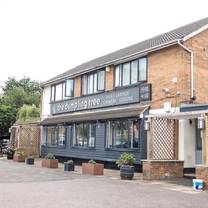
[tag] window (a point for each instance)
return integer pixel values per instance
(131, 72)
(117, 76)
(62, 90)
(50, 136)
(93, 83)
(142, 69)
(122, 134)
(90, 84)
(69, 92)
(101, 80)
(59, 92)
(56, 136)
(61, 136)
(134, 72)
(126, 74)
(85, 134)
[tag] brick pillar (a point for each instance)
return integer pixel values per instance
(109, 78)
(77, 87)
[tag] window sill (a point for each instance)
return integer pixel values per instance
(83, 148)
(131, 85)
(55, 146)
(122, 149)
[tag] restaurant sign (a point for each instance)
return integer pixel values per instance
(112, 98)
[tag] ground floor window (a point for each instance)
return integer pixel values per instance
(56, 135)
(122, 134)
(84, 135)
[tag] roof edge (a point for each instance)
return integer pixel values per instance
(195, 32)
(156, 48)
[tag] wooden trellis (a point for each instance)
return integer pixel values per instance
(26, 137)
(164, 139)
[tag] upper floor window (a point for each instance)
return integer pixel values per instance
(131, 72)
(62, 90)
(93, 82)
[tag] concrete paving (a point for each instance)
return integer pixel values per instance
(24, 186)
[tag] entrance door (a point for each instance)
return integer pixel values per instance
(198, 146)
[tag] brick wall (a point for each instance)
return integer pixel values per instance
(163, 66)
(77, 88)
(162, 169)
(199, 45)
(202, 173)
(109, 79)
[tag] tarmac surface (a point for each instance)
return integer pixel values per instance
(24, 186)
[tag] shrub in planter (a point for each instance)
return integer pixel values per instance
(69, 165)
(126, 165)
(50, 161)
(92, 168)
(19, 155)
(10, 153)
(30, 160)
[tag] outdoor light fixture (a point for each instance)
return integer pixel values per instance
(146, 125)
(108, 68)
(201, 123)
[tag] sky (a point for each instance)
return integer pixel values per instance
(43, 38)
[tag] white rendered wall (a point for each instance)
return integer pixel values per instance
(46, 96)
(187, 137)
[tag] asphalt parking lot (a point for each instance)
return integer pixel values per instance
(24, 186)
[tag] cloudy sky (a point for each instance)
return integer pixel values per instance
(42, 38)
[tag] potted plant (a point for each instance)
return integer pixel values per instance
(30, 160)
(69, 165)
(126, 165)
(50, 161)
(10, 153)
(92, 168)
(19, 155)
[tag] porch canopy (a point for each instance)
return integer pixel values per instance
(179, 115)
(133, 110)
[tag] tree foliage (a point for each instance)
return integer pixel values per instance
(28, 113)
(16, 94)
(7, 118)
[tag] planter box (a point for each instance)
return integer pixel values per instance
(68, 167)
(30, 161)
(127, 172)
(50, 163)
(10, 156)
(19, 158)
(92, 169)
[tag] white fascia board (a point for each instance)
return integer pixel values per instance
(195, 32)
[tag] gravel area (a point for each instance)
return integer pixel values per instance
(24, 186)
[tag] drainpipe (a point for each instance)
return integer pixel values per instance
(192, 67)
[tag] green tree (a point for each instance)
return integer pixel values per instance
(7, 118)
(16, 94)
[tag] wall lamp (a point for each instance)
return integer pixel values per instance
(146, 125)
(201, 123)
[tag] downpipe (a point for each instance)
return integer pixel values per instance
(192, 68)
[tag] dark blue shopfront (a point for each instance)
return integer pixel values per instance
(98, 127)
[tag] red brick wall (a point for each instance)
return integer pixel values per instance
(162, 169)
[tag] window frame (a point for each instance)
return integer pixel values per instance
(138, 74)
(86, 87)
(56, 135)
(66, 88)
(130, 146)
(74, 129)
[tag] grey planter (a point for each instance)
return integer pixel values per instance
(127, 172)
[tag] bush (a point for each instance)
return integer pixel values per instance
(69, 162)
(19, 152)
(126, 159)
(50, 156)
(92, 162)
(10, 151)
